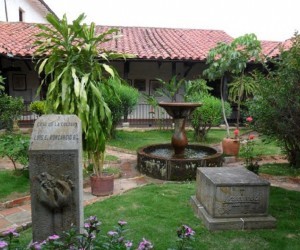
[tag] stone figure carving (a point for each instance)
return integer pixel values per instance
(54, 193)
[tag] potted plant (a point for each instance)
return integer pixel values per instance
(231, 59)
(69, 55)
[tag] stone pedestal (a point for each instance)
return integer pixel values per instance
(55, 169)
(232, 198)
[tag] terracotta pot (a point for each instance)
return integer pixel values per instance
(231, 146)
(102, 185)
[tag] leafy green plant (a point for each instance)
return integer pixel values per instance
(15, 147)
(232, 59)
(170, 89)
(70, 55)
(1, 82)
(121, 101)
(277, 115)
(208, 115)
(11, 109)
(38, 107)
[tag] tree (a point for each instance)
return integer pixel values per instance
(69, 55)
(276, 106)
(232, 59)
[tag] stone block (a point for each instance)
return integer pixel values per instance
(232, 198)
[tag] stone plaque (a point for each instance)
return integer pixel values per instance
(232, 198)
(55, 168)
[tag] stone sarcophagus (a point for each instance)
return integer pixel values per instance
(232, 198)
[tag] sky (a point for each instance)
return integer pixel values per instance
(275, 20)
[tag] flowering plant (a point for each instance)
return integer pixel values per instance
(248, 150)
(9, 239)
(91, 239)
(185, 234)
(236, 133)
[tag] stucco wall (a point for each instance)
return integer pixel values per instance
(31, 12)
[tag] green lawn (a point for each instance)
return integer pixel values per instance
(155, 212)
(13, 184)
(135, 139)
(132, 140)
(279, 169)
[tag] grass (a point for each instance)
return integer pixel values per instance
(263, 147)
(18, 184)
(155, 212)
(279, 169)
(132, 140)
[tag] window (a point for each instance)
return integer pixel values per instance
(154, 85)
(140, 84)
(21, 15)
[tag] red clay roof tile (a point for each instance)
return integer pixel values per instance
(147, 43)
(16, 39)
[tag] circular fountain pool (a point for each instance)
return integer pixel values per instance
(159, 161)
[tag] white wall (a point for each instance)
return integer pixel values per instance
(32, 13)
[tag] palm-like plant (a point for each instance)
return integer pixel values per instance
(170, 89)
(68, 54)
(239, 90)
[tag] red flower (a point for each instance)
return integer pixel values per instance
(251, 137)
(236, 132)
(249, 119)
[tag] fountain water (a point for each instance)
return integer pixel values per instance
(178, 160)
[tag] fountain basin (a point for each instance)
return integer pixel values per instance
(153, 162)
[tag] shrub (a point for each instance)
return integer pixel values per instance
(121, 102)
(129, 98)
(15, 147)
(10, 110)
(208, 115)
(38, 107)
(276, 107)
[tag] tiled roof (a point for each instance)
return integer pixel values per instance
(146, 43)
(16, 39)
(164, 43)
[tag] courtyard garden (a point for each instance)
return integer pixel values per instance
(159, 215)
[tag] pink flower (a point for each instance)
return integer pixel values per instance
(249, 119)
(128, 244)
(251, 137)
(11, 232)
(145, 245)
(122, 222)
(3, 244)
(236, 132)
(112, 233)
(53, 237)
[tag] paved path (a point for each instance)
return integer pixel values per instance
(20, 216)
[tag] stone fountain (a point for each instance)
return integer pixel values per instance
(177, 161)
